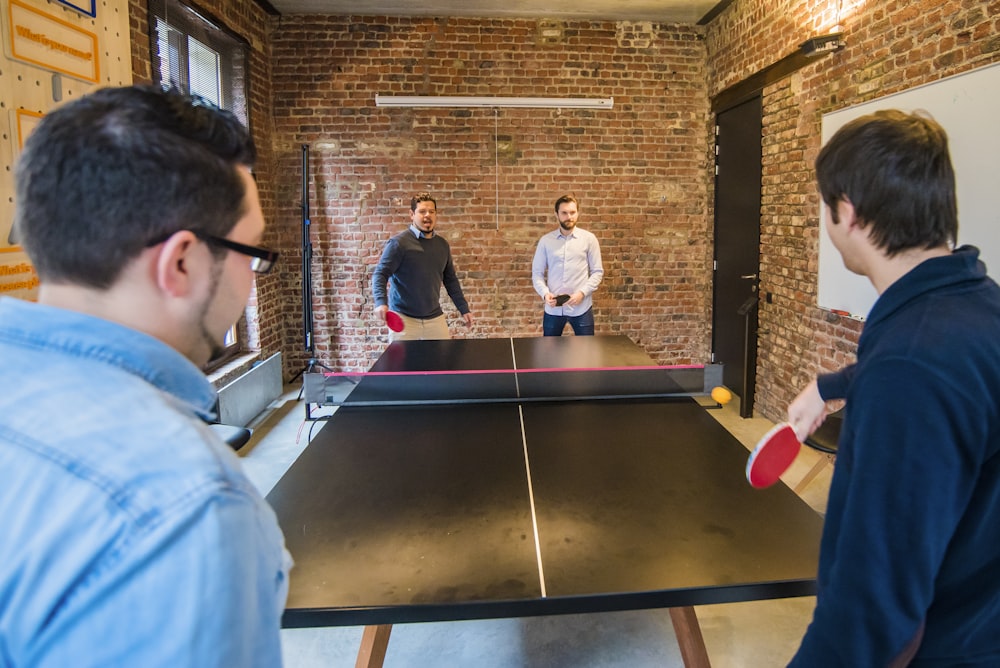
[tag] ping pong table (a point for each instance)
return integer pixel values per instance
(546, 502)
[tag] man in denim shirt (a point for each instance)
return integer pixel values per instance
(130, 536)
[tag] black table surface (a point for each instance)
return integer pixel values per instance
(425, 513)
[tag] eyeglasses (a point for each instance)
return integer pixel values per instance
(261, 259)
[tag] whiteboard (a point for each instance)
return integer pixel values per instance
(967, 105)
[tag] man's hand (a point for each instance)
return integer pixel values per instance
(807, 411)
(380, 312)
(575, 299)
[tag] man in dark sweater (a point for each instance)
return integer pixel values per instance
(414, 264)
(909, 570)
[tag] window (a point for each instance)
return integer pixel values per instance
(192, 53)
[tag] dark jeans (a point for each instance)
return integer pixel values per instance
(583, 325)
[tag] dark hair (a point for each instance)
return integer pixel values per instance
(895, 170)
(422, 197)
(565, 199)
(104, 175)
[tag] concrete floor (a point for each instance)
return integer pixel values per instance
(738, 635)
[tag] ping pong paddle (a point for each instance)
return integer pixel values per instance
(393, 321)
(774, 453)
(561, 299)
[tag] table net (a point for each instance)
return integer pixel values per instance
(397, 388)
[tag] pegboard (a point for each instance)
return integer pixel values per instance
(29, 90)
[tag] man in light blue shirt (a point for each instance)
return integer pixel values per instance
(130, 536)
(566, 271)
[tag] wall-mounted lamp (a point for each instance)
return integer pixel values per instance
(523, 102)
(822, 44)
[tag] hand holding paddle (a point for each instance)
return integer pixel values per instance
(394, 322)
(391, 319)
(776, 451)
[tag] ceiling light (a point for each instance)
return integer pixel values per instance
(513, 102)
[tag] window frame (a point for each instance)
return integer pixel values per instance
(182, 23)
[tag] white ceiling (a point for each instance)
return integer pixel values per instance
(661, 11)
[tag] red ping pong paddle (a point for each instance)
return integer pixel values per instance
(393, 321)
(774, 453)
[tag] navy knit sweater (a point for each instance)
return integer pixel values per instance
(415, 267)
(911, 545)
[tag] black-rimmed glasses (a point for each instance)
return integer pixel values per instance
(261, 259)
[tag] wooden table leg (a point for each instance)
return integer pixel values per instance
(813, 472)
(374, 643)
(689, 637)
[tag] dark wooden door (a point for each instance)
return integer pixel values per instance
(737, 247)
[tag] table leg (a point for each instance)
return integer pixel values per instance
(689, 638)
(374, 643)
(813, 472)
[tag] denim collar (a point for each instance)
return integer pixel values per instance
(77, 334)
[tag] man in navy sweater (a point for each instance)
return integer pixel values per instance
(414, 264)
(909, 570)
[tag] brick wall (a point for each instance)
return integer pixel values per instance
(642, 172)
(639, 171)
(891, 46)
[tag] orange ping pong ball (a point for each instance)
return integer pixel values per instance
(721, 395)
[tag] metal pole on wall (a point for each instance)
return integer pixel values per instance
(307, 299)
(307, 309)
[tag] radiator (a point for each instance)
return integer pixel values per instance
(243, 399)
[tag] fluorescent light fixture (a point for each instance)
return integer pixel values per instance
(524, 102)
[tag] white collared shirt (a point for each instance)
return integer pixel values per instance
(567, 263)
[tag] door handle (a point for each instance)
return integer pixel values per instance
(751, 276)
